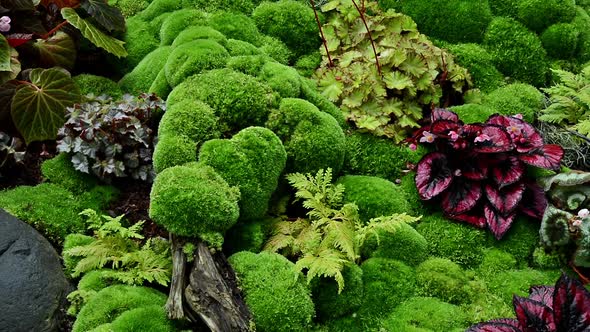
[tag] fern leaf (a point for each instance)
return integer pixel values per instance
(328, 263)
(341, 235)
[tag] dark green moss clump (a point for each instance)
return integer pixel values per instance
(145, 73)
(426, 314)
(561, 40)
(520, 241)
(276, 295)
(516, 98)
(236, 26)
(445, 280)
(199, 32)
(539, 14)
(246, 236)
(329, 304)
(97, 85)
(140, 41)
(480, 65)
(59, 170)
(192, 119)
(405, 245)
(283, 79)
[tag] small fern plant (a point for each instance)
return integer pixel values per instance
(118, 248)
(332, 234)
(570, 101)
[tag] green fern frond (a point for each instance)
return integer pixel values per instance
(328, 263)
(389, 224)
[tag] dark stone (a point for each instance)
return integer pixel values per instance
(33, 286)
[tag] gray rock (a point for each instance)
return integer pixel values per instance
(33, 286)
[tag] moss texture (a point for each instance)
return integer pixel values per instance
(307, 64)
(247, 64)
(472, 113)
(516, 51)
(59, 170)
(246, 236)
(520, 241)
(445, 280)
(422, 314)
(158, 7)
(151, 318)
(239, 47)
(97, 85)
(561, 40)
(235, 26)
(177, 21)
(311, 94)
(160, 85)
(173, 151)
(313, 140)
(283, 79)
(516, 98)
(329, 304)
(192, 119)
(252, 160)
(193, 58)
(507, 283)
(405, 245)
(276, 49)
(546, 261)
(139, 41)
(496, 260)
(130, 7)
(480, 65)
(274, 292)
(199, 32)
(193, 200)
(539, 14)
(145, 73)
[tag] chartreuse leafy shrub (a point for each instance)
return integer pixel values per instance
(478, 170)
(204, 32)
(569, 101)
(374, 197)
(193, 58)
(290, 21)
(112, 139)
(243, 103)
(563, 307)
(97, 85)
(445, 280)
(146, 71)
(386, 98)
(252, 160)
(539, 14)
(330, 303)
(405, 245)
(480, 65)
(516, 51)
(112, 302)
(333, 234)
(313, 139)
(194, 200)
(281, 305)
(455, 21)
(565, 227)
(419, 314)
(561, 40)
(177, 22)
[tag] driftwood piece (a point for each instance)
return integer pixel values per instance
(174, 304)
(212, 294)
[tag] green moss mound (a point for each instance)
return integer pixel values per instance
(173, 150)
(405, 245)
(199, 32)
(236, 26)
(193, 200)
(561, 40)
(252, 160)
(546, 261)
(283, 79)
(276, 49)
(111, 302)
(329, 304)
(445, 280)
(178, 21)
(247, 64)
(290, 21)
(313, 140)
(422, 314)
(462, 244)
(59, 170)
(239, 47)
(520, 241)
(145, 73)
(311, 94)
(375, 197)
(276, 295)
(507, 283)
(145, 319)
(539, 14)
(130, 7)
(307, 64)
(495, 260)
(246, 236)
(504, 7)
(158, 7)
(473, 113)
(192, 119)
(514, 99)
(97, 85)
(455, 21)
(516, 51)
(160, 85)
(480, 65)
(140, 41)
(238, 100)
(193, 58)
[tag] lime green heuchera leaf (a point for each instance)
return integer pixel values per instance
(92, 33)
(397, 80)
(15, 68)
(331, 87)
(39, 108)
(4, 54)
(58, 50)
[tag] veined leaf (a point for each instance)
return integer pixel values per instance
(4, 54)
(108, 16)
(38, 108)
(58, 50)
(15, 68)
(97, 37)
(398, 81)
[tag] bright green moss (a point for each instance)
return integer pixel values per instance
(504, 7)
(130, 7)
(408, 186)
(387, 283)
(520, 241)
(71, 241)
(173, 150)
(178, 21)
(539, 14)
(405, 245)
(480, 65)
(139, 41)
(283, 79)
(97, 85)
(367, 154)
(245, 236)
(462, 244)
(495, 260)
(456, 21)
(516, 51)
(242, 6)
(190, 118)
(93, 281)
(238, 47)
(98, 198)
(396, 5)
(199, 32)
(193, 58)
(516, 98)
(276, 49)
(252, 160)
(59, 170)
(311, 94)
(156, 24)
(582, 23)
(145, 73)
(507, 283)
(290, 21)
(445, 280)
(473, 113)
(313, 139)
(374, 196)
(158, 7)
(247, 64)
(546, 261)
(111, 302)
(425, 314)
(160, 85)
(239, 100)
(193, 200)
(48, 207)
(235, 26)
(329, 304)
(144, 319)
(275, 293)
(561, 40)
(307, 64)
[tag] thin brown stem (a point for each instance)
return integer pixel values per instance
(362, 14)
(317, 19)
(54, 30)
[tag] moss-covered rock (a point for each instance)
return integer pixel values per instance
(178, 21)
(139, 41)
(313, 140)
(252, 160)
(422, 314)
(190, 118)
(97, 85)
(276, 295)
(473, 113)
(539, 14)
(561, 40)
(290, 21)
(145, 73)
(283, 79)
(480, 65)
(276, 49)
(405, 245)
(516, 98)
(173, 150)
(151, 318)
(239, 47)
(329, 303)
(516, 51)
(193, 58)
(199, 32)
(236, 26)
(160, 85)
(59, 170)
(445, 280)
(247, 64)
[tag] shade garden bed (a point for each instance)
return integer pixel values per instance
(338, 165)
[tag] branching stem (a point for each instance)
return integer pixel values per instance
(362, 14)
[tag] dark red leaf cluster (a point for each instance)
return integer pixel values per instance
(478, 170)
(563, 308)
